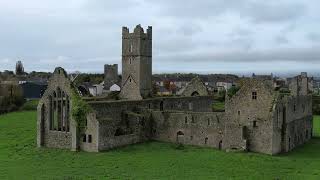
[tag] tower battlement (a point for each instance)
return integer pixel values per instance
(137, 32)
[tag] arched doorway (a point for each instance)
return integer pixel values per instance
(180, 137)
(161, 106)
(42, 121)
(220, 145)
(119, 132)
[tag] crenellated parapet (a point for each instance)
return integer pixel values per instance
(138, 32)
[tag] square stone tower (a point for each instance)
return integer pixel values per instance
(110, 75)
(136, 63)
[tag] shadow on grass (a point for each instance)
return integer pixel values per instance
(308, 150)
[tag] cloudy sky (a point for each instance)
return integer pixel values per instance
(207, 36)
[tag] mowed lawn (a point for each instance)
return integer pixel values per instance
(20, 159)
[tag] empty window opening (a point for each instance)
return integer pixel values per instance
(149, 106)
(186, 120)
(131, 47)
(191, 138)
(119, 132)
(84, 138)
(180, 136)
(254, 95)
(244, 132)
(289, 144)
(206, 140)
(294, 108)
(195, 93)
(161, 106)
(239, 113)
(254, 123)
(142, 122)
(220, 145)
(90, 138)
(208, 122)
(192, 119)
(307, 134)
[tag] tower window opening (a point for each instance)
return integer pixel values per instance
(131, 48)
(254, 95)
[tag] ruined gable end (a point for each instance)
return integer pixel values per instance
(195, 88)
(54, 124)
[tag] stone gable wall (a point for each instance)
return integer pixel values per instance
(195, 88)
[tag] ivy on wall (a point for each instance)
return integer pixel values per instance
(80, 109)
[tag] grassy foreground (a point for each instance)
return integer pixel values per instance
(20, 159)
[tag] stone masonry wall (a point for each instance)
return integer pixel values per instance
(253, 115)
(201, 129)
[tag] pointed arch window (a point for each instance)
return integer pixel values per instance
(131, 48)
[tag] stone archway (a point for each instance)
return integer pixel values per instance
(220, 145)
(195, 93)
(161, 106)
(41, 125)
(180, 137)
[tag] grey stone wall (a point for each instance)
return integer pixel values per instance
(252, 115)
(130, 129)
(299, 85)
(114, 108)
(201, 129)
(89, 137)
(292, 122)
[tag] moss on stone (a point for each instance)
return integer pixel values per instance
(80, 109)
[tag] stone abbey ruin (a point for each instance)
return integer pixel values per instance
(257, 118)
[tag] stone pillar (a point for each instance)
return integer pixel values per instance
(40, 125)
(57, 112)
(66, 121)
(61, 111)
(74, 135)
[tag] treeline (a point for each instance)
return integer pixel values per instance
(189, 76)
(11, 98)
(316, 105)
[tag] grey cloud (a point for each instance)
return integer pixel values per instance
(307, 55)
(314, 37)
(276, 12)
(255, 11)
(281, 39)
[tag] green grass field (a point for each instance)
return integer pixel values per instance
(218, 106)
(20, 159)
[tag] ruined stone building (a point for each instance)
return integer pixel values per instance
(257, 118)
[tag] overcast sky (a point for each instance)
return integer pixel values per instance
(207, 36)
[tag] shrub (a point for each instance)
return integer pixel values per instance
(233, 90)
(30, 105)
(80, 109)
